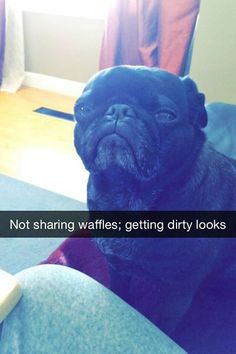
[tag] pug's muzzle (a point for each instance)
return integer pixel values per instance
(118, 139)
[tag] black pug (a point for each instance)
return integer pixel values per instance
(139, 134)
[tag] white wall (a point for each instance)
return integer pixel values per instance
(214, 55)
(62, 46)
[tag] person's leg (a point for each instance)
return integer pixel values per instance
(64, 311)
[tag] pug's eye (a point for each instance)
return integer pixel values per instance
(165, 116)
(82, 109)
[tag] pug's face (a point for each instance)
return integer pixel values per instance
(138, 121)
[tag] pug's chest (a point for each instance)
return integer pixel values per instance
(116, 191)
(160, 302)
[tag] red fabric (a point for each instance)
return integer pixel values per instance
(152, 33)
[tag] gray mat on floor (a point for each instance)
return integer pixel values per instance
(20, 253)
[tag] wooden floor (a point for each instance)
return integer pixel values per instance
(39, 149)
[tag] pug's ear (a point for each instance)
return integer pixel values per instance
(196, 102)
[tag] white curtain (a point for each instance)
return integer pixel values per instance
(13, 69)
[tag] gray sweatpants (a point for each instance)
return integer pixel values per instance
(63, 311)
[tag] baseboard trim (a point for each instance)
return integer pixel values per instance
(54, 84)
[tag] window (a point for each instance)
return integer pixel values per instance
(79, 8)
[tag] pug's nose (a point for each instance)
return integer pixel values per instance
(119, 111)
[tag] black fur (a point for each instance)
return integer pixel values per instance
(139, 134)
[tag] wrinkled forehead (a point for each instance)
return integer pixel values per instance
(135, 81)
